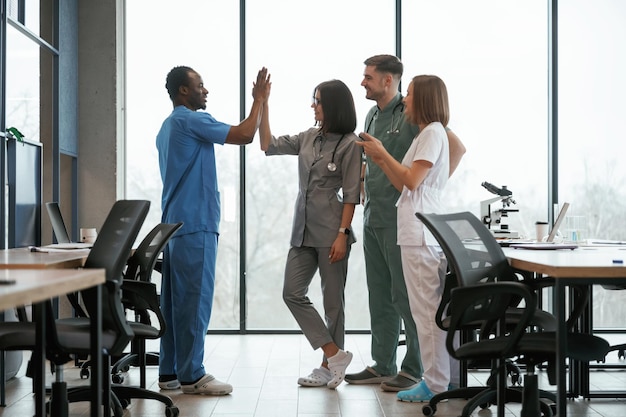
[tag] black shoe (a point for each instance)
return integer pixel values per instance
(400, 382)
(366, 376)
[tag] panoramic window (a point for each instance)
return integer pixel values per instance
(152, 51)
(592, 176)
(301, 55)
(495, 66)
(493, 57)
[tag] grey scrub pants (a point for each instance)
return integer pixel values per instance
(389, 303)
(302, 263)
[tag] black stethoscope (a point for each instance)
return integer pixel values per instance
(392, 130)
(332, 167)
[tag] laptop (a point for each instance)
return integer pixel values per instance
(549, 243)
(60, 231)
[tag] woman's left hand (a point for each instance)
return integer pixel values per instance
(338, 249)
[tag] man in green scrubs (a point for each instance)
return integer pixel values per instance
(388, 299)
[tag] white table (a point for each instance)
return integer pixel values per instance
(592, 265)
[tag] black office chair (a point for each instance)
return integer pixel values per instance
(66, 337)
(492, 266)
(143, 300)
(620, 347)
(140, 295)
(475, 258)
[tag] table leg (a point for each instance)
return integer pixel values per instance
(96, 359)
(39, 358)
(561, 343)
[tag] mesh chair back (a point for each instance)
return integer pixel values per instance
(110, 251)
(474, 257)
(141, 264)
(472, 252)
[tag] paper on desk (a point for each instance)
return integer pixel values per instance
(607, 242)
(55, 248)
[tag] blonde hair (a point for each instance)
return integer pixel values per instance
(430, 100)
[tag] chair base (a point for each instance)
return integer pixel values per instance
(621, 350)
(124, 363)
(56, 407)
(484, 397)
(123, 395)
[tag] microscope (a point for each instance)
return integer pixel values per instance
(497, 220)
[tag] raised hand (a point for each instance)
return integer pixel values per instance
(262, 87)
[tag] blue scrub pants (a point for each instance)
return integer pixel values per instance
(389, 303)
(187, 287)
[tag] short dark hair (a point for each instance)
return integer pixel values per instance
(386, 63)
(177, 77)
(338, 107)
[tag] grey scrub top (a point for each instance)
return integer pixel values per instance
(321, 192)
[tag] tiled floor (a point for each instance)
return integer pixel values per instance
(263, 370)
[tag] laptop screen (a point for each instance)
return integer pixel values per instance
(58, 225)
(557, 222)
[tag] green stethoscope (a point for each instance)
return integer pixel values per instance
(392, 130)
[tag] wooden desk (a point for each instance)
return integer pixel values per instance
(584, 266)
(23, 258)
(35, 285)
(54, 276)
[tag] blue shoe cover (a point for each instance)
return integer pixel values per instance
(418, 394)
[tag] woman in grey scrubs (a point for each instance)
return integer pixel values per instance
(329, 164)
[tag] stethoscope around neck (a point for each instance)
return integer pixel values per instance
(332, 167)
(391, 130)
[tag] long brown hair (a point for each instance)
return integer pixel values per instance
(430, 100)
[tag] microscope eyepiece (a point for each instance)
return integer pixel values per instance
(503, 192)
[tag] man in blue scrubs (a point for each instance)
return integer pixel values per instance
(191, 195)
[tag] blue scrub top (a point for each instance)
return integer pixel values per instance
(187, 163)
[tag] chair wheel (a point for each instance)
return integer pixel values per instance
(117, 409)
(171, 411)
(126, 368)
(117, 379)
(515, 379)
(429, 410)
(484, 406)
(620, 354)
(84, 373)
(547, 408)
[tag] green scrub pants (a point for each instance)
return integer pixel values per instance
(389, 303)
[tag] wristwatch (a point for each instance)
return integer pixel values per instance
(344, 230)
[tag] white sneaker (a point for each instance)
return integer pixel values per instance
(208, 385)
(319, 377)
(337, 366)
(169, 385)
